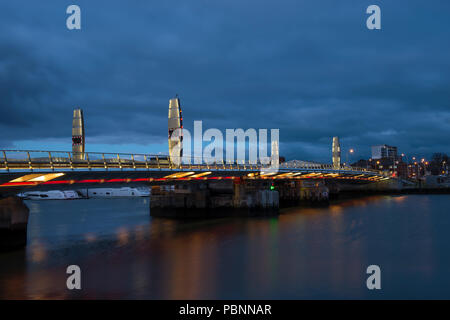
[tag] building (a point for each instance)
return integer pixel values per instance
(175, 125)
(78, 135)
(384, 151)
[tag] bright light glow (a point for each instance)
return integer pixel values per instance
(198, 175)
(267, 174)
(47, 177)
(26, 177)
(298, 173)
(38, 177)
(179, 175)
(283, 175)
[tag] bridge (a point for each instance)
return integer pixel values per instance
(199, 188)
(26, 168)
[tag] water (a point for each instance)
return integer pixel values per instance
(304, 253)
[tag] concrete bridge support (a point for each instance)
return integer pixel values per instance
(214, 199)
(300, 192)
(13, 223)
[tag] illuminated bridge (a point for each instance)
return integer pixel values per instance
(196, 189)
(19, 168)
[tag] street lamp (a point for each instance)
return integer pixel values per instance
(407, 164)
(349, 151)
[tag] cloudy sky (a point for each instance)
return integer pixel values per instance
(310, 68)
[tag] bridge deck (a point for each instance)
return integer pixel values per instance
(22, 168)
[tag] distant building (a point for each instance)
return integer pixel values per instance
(402, 170)
(384, 152)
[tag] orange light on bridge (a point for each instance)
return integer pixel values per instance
(26, 178)
(198, 175)
(38, 177)
(331, 175)
(284, 175)
(179, 175)
(266, 174)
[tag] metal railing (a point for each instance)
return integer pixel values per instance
(59, 160)
(325, 166)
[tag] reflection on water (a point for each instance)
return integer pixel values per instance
(304, 253)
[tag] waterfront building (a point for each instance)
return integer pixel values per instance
(384, 151)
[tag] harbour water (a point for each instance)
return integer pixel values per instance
(311, 253)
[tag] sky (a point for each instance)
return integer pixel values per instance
(309, 68)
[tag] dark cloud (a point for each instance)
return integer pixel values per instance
(310, 68)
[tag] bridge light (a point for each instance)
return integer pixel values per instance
(179, 175)
(198, 175)
(38, 177)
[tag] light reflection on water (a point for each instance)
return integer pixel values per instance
(303, 253)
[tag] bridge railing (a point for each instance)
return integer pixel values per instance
(60, 160)
(325, 166)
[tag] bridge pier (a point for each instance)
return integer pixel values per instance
(13, 223)
(303, 192)
(214, 199)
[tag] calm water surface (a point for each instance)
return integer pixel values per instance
(303, 253)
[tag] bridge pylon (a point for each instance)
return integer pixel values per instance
(78, 135)
(175, 123)
(336, 153)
